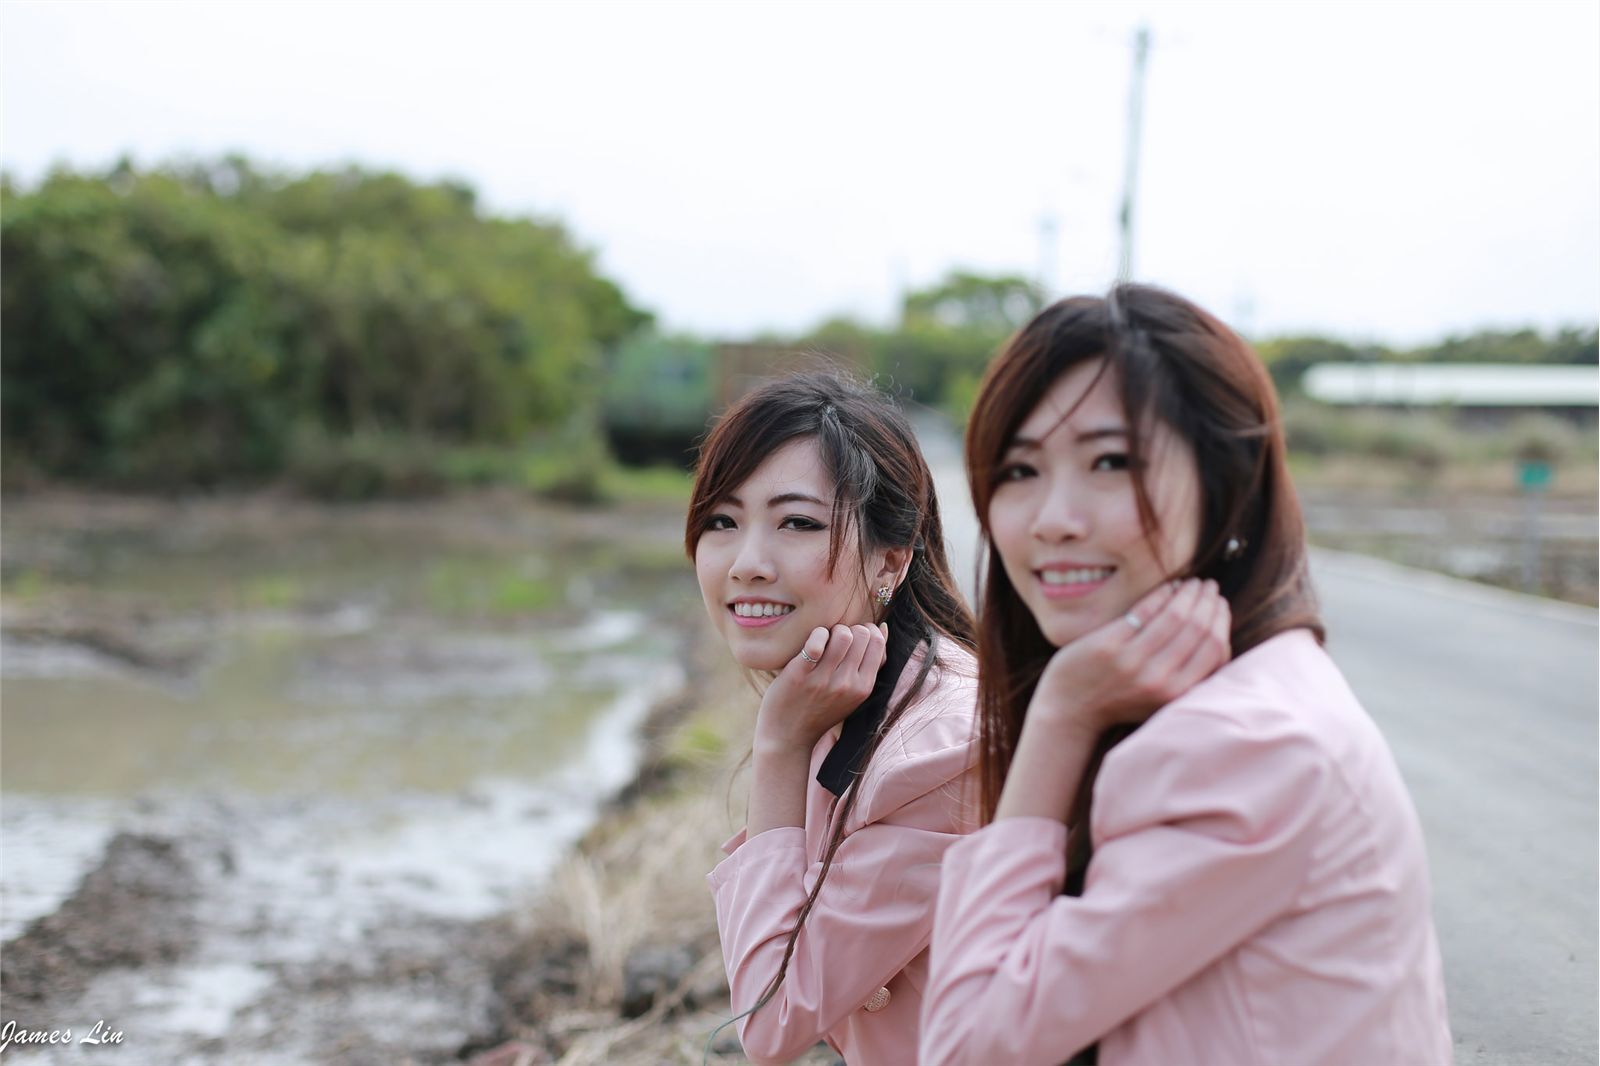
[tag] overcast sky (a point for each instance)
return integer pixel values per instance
(1378, 171)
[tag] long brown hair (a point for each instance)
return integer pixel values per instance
(883, 498)
(1179, 365)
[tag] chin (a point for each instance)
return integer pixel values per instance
(765, 664)
(1059, 637)
(1061, 631)
(765, 659)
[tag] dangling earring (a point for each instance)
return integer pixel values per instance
(1235, 547)
(885, 594)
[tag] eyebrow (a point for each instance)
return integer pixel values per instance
(782, 498)
(1029, 444)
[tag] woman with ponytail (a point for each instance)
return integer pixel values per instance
(1239, 879)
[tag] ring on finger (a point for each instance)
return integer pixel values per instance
(806, 656)
(1133, 621)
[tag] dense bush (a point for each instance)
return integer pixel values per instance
(190, 325)
(1289, 357)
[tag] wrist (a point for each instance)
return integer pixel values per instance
(1065, 719)
(776, 746)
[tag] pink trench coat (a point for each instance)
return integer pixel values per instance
(1258, 896)
(870, 927)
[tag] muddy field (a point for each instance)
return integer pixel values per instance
(1544, 546)
(331, 846)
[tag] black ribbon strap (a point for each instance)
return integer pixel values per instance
(843, 763)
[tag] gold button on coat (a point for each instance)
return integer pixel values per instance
(878, 1000)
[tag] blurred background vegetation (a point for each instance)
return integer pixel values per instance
(351, 334)
(352, 331)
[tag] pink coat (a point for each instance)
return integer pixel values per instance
(1258, 896)
(870, 927)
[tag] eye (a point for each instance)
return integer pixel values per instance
(718, 522)
(1110, 461)
(1014, 472)
(801, 523)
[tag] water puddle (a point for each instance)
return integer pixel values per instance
(367, 733)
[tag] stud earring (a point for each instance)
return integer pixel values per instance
(1235, 547)
(885, 594)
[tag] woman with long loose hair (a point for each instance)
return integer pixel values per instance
(820, 554)
(818, 546)
(1239, 879)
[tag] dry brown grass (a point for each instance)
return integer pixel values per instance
(1575, 479)
(643, 885)
(639, 880)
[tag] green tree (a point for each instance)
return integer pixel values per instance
(183, 325)
(974, 303)
(1288, 358)
(949, 331)
(1513, 346)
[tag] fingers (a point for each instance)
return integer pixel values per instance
(1211, 644)
(879, 635)
(846, 656)
(1176, 646)
(812, 650)
(1120, 673)
(808, 698)
(1167, 610)
(869, 639)
(840, 639)
(859, 669)
(1152, 603)
(1188, 640)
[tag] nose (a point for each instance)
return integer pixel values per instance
(1061, 516)
(752, 561)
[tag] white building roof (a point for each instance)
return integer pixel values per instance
(1460, 384)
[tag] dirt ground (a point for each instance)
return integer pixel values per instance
(614, 961)
(1545, 546)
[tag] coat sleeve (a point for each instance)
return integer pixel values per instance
(1203, 835)
(873, 915)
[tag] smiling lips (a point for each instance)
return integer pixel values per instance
(757, 613)
(1067, 582)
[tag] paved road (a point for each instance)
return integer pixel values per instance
(1488, 699)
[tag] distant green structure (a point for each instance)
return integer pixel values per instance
(662, 392)
(658, 396)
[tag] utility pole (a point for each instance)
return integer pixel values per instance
(1130, 185)
(1047, 256)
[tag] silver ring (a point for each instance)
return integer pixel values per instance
(808, 658)
(1133, 621)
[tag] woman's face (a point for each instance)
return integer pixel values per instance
(762, 561)
(1064, 517)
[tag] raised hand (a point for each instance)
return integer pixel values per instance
(1122, 672)
(819, 688)
(1171, 640)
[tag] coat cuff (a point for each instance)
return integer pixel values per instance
(1010, 840)
(743, 851)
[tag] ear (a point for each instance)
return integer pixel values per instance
(892, 566)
